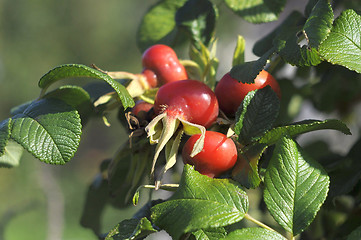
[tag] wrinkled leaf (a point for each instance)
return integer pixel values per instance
(273, 135)
(158, 24)
(198, 19)
(257, 11)
(20, 108)
(254, 234)
(319, 23)
(210, 234)
(309, 7)
(200, 203)
(248, 71)
(80, 71)
(291, 52)
(49, 129)
(287, 38)
(256, 114)
(73, 95)
(296, 186)
(246, 169)
(131, 229)
(76, 97)
(266, 43)
(343, 44)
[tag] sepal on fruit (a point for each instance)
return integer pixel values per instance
(191, 129)
(167, 132)
(137, 85)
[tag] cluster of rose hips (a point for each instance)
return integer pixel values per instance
(182, 105)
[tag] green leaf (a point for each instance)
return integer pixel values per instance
(254, 234)
(120, 173)
(296, 186)
(95, 202)
(273, 135)
(76, 97)
(309, 7)
(246, 169)
(158, 24)
(49, 129)
(345, 177)
(72, 95)
(127, 170)
(97, 90)
(198, 19)
(238, 54)
(200, 203)
(266, 43)
(20, 108)
(291, 52)
(287, 37)
(207, 62)
(80, 71)
(12, 155)
(323, 94)
(10, 151)
(256, 114)
(5, 127)
(291, 102)
(145, 210)
(343, 46)
(319, 23)
(131, 229)
(257, 11)
(355, 235)
(248, 71)
(210, 234)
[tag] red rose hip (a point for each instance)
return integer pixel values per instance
(163, 61)
(190, 100)
(219, 154)
(230, 93)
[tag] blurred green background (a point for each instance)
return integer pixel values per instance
(40, 201)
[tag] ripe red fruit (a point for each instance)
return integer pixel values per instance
(141, 109)
(186, 106)
(219, 154)
(189, 100)
(230, 93)
(163, 61)
(150, 77)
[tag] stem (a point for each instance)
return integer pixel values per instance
(274, 64)
(121, 75)
(248, 217)
(168, 187)
(42, 92)
(146, 99)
